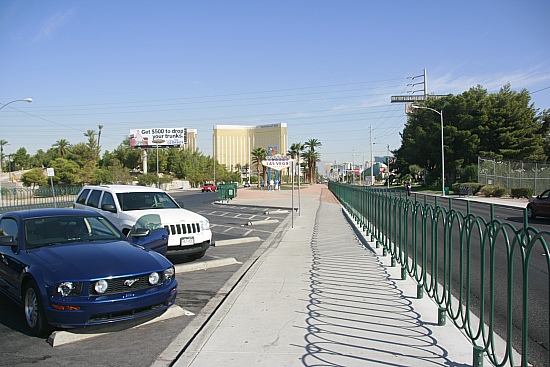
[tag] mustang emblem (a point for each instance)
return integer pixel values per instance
(130, 282)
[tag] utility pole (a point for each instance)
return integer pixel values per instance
(371, 160)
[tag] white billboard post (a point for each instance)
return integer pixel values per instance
(51, 173)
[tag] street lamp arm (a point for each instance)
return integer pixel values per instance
(17, 100)
(427, 108)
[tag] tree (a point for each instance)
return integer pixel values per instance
(34, 177)
(66, 172)
(21, 160)
(295, 152)
(503, 125)
(258, 155)
(62, 145)
(313, 157)
(92, 144)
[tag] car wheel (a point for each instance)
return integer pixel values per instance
(34, 311)
(530, 213)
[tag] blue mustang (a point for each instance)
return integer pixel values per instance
(73, 268)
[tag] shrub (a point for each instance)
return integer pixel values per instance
(496, 191)
(522, 192)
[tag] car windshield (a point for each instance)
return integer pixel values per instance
(146, 200)
(48, 231)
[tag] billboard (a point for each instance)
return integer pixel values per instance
(149, 138)
(277, 162)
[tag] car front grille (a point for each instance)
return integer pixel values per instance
(128, 284)
(184, 228)
(127, 314)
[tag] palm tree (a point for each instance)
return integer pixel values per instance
(258, 155)
(295, 151)
(62, 145)
(100, 127)
(313, 157)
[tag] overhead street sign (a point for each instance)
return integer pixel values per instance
(404, 99)
(413, 98)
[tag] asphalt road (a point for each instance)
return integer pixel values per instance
(125, 344)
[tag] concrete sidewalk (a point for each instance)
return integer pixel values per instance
(320, 297)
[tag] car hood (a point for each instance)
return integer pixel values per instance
(81, 261)
(169, 215)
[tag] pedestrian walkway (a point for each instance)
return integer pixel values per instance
(321, 297)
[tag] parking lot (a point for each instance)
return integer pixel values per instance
(240, 233)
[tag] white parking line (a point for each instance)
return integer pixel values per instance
(203, 265)
(236, 241)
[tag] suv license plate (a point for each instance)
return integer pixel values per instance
(185, 241)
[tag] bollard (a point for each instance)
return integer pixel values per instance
(403, 273)
(384, 251)
(377, 244)
(441, 316)
(419, 291)
(393, 261)
(478, 356)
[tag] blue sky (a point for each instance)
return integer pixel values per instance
(326, 68)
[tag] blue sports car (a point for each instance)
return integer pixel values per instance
(73, 268)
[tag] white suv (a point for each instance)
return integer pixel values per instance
(189, 233)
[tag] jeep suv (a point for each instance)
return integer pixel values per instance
(189, 233)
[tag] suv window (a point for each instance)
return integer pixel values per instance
(93, 200)
(145, 200)
(82, 197)
(107, 199)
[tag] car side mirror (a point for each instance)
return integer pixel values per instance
(108, 208)
(139, 232)
(7, 240)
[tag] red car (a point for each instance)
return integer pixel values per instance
(209, 187)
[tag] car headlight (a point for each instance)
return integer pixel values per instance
(66, 289)
(169, 273)
(205, 224)
(101, 286)
(154, 278)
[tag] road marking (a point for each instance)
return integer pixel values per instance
(203, 265)
(267, 221)
(235, 241)
(62, 337)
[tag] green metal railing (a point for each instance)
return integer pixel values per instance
(29, 198)
(459, 259)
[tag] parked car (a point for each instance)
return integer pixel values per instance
(539, 205)
(74, 268)
(246, 184)
(189, 233)
(208, 187)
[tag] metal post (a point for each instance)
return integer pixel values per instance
(442, 157)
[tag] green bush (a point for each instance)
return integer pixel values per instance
(522, 192)
(496, 191)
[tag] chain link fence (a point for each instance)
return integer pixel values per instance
(513, 174)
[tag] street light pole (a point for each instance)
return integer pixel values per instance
(1, 157)
(157, 142)
(440, 113)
